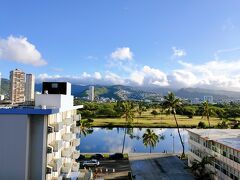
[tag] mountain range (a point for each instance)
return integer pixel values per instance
(139, 93)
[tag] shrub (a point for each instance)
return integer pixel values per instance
(202, 125)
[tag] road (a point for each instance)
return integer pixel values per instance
(158, 166)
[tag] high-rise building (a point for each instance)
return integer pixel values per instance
(40, 142)
(17, 86)
(0, 83)
(221, 144)
(29, 87)
(91, 93)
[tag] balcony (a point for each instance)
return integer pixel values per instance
(75, 154)
(77, 117)
(67, 137)
(75, 142)
(75, 167)
(68, 121)
(49, 149)
(66, 168)
(57, 126)
(75, 129)
(67, 152)
(56, 164)
(50, 129)
(57, 145)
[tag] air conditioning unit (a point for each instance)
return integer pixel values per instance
(49, 170)
(49, 149)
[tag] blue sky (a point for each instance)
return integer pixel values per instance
(135, 42)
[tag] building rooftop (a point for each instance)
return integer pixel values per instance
(228, 137)
(34, 110)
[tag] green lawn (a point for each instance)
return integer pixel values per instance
(147, 120)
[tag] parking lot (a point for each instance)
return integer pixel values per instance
(111, 169)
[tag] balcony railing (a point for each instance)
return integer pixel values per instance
(57, 145)
(77, 117)
(57, 126)
(67, 152)
(66, 167)
(75, 167)
(67, 137)
(75, 142)
(75, 129)
(68, 121)
(56, 164)
(75, 154)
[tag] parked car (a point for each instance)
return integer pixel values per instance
(91, 163)
(97, 156)
(116, 156)
(81, 157)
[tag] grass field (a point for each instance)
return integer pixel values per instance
(148, 120)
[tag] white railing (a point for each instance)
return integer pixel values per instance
(75, 142)
(57, 145)
(75, 167)
(57, 126)
(66, 168)
(75, 129)
(68, 121)
(67, 137)
(75, 154)
(67, 152)
(56, 164)
(77, 117)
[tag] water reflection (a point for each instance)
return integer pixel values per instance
(111, 140)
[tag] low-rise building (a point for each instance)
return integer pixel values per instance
(40, 142)
(223, 145)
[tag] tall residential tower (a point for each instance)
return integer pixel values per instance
(91, 93)
(30, 87)
(17, 86)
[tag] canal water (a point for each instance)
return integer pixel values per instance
(111, 140)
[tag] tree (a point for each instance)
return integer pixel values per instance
(85, 127)
(206, 111)
(170, 104)
(200, 170)
(127, 109)
(201, 125)
(154, 113)
(150, 139)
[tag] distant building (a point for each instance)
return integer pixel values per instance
(0, 83)
(30, 87)
(195, 101)
(223, 145)
(17, 86)
(40, 141)
(208, 98)
(91, 93)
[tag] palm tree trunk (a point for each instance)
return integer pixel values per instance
(150, 149)
(124, 137)
(183, 152)
(208, 118)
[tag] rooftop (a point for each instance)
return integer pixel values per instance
(34, 110)
(228, 137)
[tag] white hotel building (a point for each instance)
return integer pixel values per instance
(40, 142)
(223, 144)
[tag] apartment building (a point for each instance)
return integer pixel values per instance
(40, 142)
(223, 145)
(91, 93)
(17, 86)
(29, 87)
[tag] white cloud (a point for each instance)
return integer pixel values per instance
(178, 52)
(20, 50)
(123, 53)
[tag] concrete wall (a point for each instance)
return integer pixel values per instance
(14, 150)
(38, 142)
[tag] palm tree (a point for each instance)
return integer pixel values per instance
(85, 128)
(127, 109)
(150, 139)
(206, 111)
(200, 170)
(170, 104)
